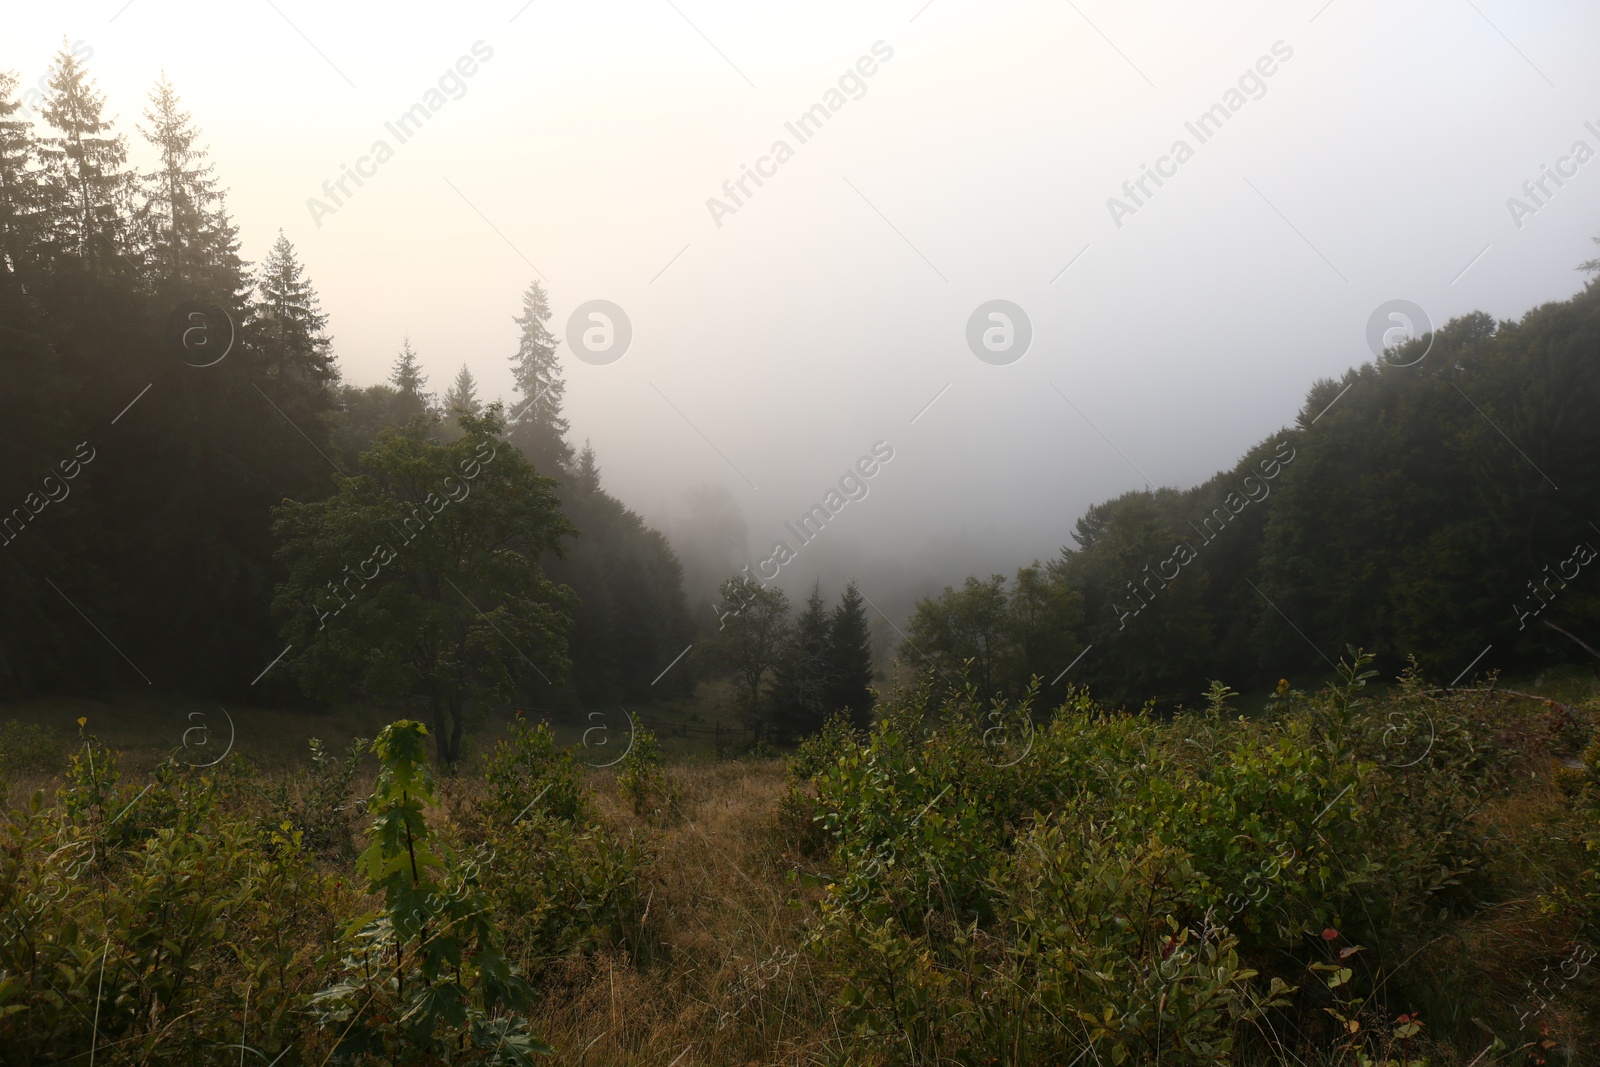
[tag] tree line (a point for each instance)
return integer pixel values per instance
(172, 521)
(791, 669)
(1435, 503)
(176, 522)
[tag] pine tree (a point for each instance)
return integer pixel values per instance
(537, 426)
(850, 659)
(85, 188)
(16, 183)
(463, 394)
(805, 682)
(587, 476)
(297, 349)
(407, 377)
(189, 239)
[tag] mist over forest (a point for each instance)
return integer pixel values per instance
(1022, 535)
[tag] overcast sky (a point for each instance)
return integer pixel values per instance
(773, 344)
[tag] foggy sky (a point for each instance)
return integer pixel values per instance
(975, 163)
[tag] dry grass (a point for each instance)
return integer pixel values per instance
(722, 977)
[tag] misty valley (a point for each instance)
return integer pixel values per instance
(408, 656)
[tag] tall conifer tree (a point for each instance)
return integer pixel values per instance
(293, 333)
(190, 242)
(538, 427)
(17, 152)
(85, 189)
(850, 659)
(409, 383)
(463, 394)
(804, 679)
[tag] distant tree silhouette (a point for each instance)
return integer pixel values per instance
(538, 427)
(84, 187)
(409, 383)
(190, 242)
(850, 659)
(804, 685)
(462, 397)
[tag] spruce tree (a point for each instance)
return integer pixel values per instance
(805, 683)
(850, 659)
(293, 337)
(189, 240)
(463, 394)
(586, 478)
(85, 190)
(537, 427)
(409, 381)
(16, 183)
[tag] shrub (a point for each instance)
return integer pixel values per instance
(640, 777)
(526, 772)
(163, 922)
(328, 810)
(424, 979)
(1115, 869)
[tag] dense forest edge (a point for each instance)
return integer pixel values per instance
(1042, 824)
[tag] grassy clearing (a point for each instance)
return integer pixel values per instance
(696, 912)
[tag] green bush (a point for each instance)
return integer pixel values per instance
(1097, 882)
(424, 979)
(527, 773)
(641, 779)
(165, 922)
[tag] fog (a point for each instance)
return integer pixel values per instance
(781, 333)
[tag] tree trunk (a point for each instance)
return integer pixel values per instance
(440, 743)
(457, 721)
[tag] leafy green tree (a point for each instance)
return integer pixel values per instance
(1045, 618)
(420, 578)
(1001, 637)
(1150, 633)
(963, 629)
(849, 673)
(362, 414)
(755, 628)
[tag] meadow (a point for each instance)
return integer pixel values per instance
(1365, 874)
